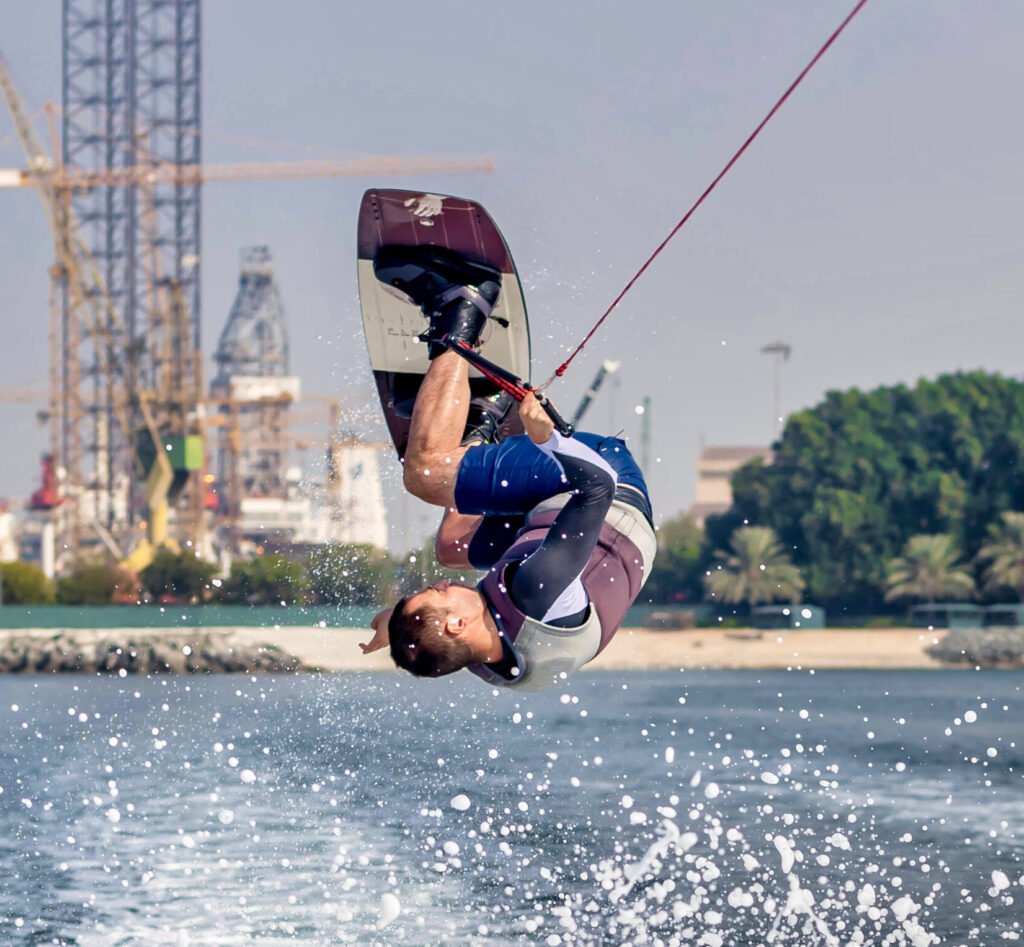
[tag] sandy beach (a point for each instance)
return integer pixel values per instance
(641, 649)
(337, 649)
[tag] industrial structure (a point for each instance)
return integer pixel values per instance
(127, 406)
(131, 98)
(253, 370)
(263, 496)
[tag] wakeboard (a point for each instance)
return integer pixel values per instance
(391, 323)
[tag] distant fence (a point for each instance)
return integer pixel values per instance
(14, 617)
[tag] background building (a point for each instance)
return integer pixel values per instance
(715, 468)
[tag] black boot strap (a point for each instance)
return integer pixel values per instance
(462, 292)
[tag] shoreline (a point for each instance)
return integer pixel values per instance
(337, 649)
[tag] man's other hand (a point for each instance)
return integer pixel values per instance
(535, 419)
(380, 637)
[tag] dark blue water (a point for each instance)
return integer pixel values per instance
(716, 808)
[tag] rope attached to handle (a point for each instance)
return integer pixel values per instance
(509, 382)
(561, 370)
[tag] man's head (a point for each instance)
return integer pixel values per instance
(439, 630)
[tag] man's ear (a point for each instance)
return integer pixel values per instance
(455, 624)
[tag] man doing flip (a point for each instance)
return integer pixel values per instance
(562, 525)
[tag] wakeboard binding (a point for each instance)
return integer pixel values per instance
(457, 295)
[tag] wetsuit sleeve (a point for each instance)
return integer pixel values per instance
(492, 537)
(546, 585)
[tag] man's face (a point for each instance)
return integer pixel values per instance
(455, 600)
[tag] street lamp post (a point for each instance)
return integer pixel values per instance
(780, 352)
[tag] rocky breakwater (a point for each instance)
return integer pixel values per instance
(998, 647)
(141, 652)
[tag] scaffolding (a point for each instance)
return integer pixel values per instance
(131, 97)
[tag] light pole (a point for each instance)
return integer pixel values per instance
(780, 352)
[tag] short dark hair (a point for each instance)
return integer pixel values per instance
(420, 645)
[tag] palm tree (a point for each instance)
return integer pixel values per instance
(756, 569)
(928, 570)
(1004, 553)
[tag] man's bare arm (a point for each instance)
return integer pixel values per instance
(454, 535)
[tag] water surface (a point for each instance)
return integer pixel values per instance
(715, 808)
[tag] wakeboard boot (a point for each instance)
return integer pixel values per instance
(456, 294)
(486, 416)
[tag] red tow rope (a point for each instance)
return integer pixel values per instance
(508, 382)
(560, 371)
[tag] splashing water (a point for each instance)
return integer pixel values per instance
(379, 809)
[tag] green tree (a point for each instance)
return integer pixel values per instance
(1003, 555)
(678, 566)
(25, 584)
(95, 582)
(755, 570)
(929, 571)
(181, 577)
(858, 475)
(266, 580)
(351, 574)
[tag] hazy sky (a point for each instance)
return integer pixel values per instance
(875, 226)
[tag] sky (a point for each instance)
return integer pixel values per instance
(875, 226)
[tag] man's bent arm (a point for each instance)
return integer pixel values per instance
(549, 577)
(454, 535)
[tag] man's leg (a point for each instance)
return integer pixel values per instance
(456, 295)
(438, 421)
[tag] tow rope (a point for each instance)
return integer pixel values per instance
(560, 371)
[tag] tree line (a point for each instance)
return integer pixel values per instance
(340, 574)
(872, 498)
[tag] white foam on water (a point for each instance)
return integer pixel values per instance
(669, 894)
(390, 909)
(787, 856)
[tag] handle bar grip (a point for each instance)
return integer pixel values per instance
(561, 425)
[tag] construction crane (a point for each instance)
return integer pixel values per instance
(165, 173)
(103, 404)
(608, 367)
(76, 279)
(33, 396)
